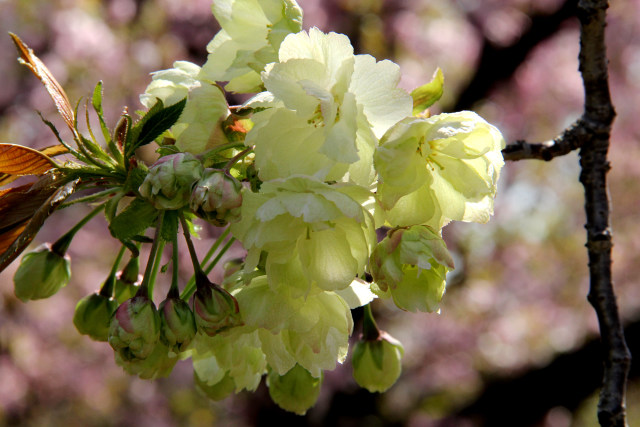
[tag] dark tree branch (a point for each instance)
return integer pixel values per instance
(498, 64)
(571, 139)
(591, 134)
(599, 115)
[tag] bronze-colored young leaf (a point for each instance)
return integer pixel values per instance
(28, 58)
(15, 242)
(19, 160)
(10, 235)
(16, 161)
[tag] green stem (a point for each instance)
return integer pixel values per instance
(370, 331)
(192, 249)
(174, 292)
(110, 283)
(144, 286)
(220, 254)
(62, 244)
(191, 285)
(91, 197)
(235, 159)
(216, 245)
(156, 267)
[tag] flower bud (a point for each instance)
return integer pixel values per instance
(377, 363)
(92, 316)
(296, 391)
(41, 273)
(170, 180)
(215, 309)
(412, 264)
(177, 324)
(135, 328)
(217, 197)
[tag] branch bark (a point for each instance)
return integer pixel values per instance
(591, 134)
(598, 116)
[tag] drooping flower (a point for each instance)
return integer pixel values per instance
(215, 309)
(177, 324)
(312, 331)
(328, 109)
(411, 265)
(135, 328)
(437, 169)
(313, 233)
(251, 34)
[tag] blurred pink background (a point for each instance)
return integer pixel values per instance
(517, 299)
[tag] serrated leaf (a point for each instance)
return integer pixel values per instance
(133, 220)
(13, 243)
(427, 95)
(169, 226)
(16, 160)
(157, 120)
(56, 92)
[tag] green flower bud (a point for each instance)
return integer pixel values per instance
(218, 391)
(177, 324)
(41, 273)
(215, 309)
(92, 316)
(170, 180)
(158, 364)
(377, 363)
(217, 197)
(412, 264)
(135, 328)
(296, 391)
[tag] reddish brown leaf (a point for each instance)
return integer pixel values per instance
(54, 150)
(56, 92)
(17, 212)
(19, 160)
(16, 160)
(10, 236)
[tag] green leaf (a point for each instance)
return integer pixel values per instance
(157, 120)
(427, 95)
(96, 101)
(135, 178)
(134, 220)
(169, 226)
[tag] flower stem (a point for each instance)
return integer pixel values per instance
(62, 244)
(144, 287)
(107, 288)
(191, 285)
(238, 157)
(370, 331)
(197, 269)
(174, 292)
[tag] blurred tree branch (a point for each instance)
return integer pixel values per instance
(499, 63)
